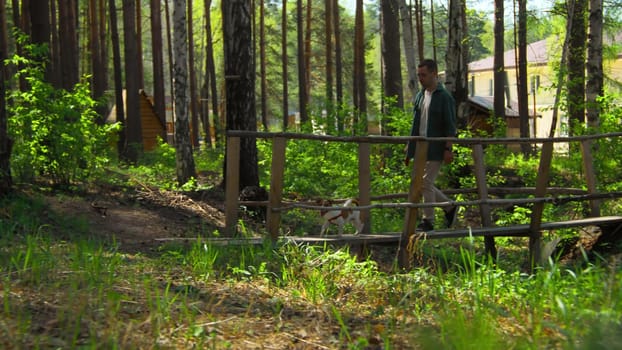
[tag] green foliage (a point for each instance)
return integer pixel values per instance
(608, 167)
(158, 168)
(54, 130)
(93, 294)
(310, 164)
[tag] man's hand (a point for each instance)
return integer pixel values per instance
(448, 157)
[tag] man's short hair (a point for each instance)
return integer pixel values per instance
(430, 64)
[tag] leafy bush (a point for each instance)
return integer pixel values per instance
(54, 130)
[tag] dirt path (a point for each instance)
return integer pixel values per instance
(138, 219)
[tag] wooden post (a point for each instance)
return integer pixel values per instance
(232, 188)
(414, 196)
(365, 184)
(590, 176)
(535, 235)
(276, 186)
(482, 190)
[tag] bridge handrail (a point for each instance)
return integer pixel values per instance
(414, 195)
(404, 139)
(490, 201)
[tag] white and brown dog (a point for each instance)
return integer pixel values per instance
(340, 217)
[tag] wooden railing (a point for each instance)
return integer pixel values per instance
(540, 192)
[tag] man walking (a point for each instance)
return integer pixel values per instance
(434, 116)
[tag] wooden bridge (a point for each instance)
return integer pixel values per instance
(537, 196)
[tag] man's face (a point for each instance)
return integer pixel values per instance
(426, 77)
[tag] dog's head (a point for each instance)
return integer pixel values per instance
(324, 203)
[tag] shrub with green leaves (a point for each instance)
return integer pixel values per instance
(54, 130)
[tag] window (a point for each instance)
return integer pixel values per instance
(535, 83)
(472, 85)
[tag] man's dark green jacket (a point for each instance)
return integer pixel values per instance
(441, 121)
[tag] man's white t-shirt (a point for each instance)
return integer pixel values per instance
(423, 126)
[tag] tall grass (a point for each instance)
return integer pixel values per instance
(88, 294)
(62, 289)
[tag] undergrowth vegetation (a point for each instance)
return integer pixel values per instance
(80, 293)
(60, 288)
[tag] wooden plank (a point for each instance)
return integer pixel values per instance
(395, 237)
(277, 173)
(365, 184)
(590, 176)
(232, 188)
(497, 231)
(414, 196)
(535, 238)
(482, 190)
(592, 221)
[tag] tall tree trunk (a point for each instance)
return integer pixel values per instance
(338, 64)
(240, 84)
(204, 104)
(391, 60)
(433, 29)
(117, 75)
(499, 89)
(576, 67)
(560, 72)
(139, 45)
(184, 160)
(594, 87)
(24, 16)
(98, 80)
(262, 66)
(68, 43)
(6, 180)
(133, 127)
(308, 51)
(211, 70)
(359, 91)
(456, 61)
(169, 45)
(55, 77)
(103, 56)
(204, 113)
(18, 23)
(419, 26)
(194, 104)
(302, 70)
(499, 64)
(284, 64)
(159, 98)
(523, 93)
(40, 28)
(328, 33)
(410, 49)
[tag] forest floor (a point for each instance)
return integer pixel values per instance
(142, 220)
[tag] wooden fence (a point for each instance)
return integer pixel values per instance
(540, 194)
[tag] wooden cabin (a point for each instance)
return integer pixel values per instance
(152, 126)
(478, 114)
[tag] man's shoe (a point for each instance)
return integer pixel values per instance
(450, 216)
(425, 225)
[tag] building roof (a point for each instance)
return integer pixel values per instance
(486, 103)
(537, 53)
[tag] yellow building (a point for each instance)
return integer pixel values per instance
(540, 81)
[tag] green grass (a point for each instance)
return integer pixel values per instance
(60, 288)
(87, 294)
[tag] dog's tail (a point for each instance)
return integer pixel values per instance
(351, 202)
